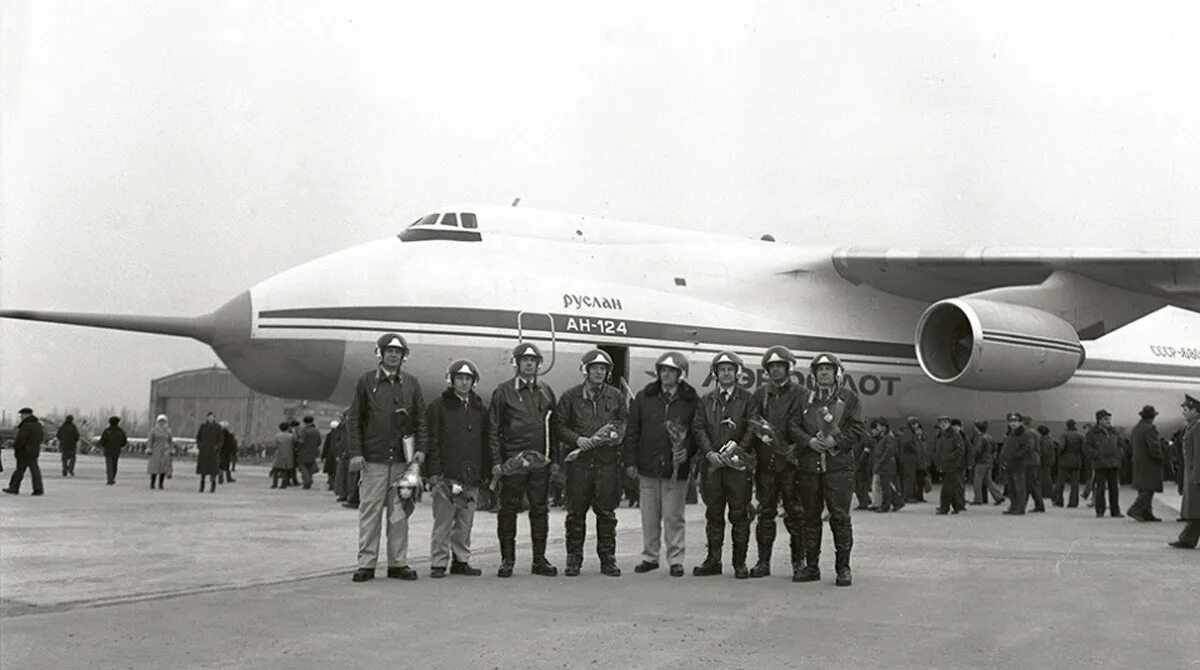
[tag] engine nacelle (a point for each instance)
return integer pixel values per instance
(995, 346)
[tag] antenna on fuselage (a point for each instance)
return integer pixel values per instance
(516, 201)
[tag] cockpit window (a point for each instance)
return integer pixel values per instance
(468, 221)
(450, 220)
(427, 220)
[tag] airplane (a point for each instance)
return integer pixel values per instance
(973, 333)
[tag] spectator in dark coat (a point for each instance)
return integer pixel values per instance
(1147, 465)
(883, 464)
(309, 451)
(1103, 448)
(985, 459)
(1189, 512)
(229, 447)
(113, 440)
(68, 442)
(329, 460)
(26, 448)
(209, 439)
(1070, 461)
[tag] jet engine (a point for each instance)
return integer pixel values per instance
(993, 346)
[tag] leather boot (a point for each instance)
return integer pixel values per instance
(763, 567)
(574, 562)
(797, 548)
(540, 565)
(608, 566)
(508, 555)
(842, 565)
(711, 565)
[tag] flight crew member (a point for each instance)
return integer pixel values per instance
(112, 441)
(950, 449)
(883, 458)
(1049, 461)
(26, 448)
(386, 414)
(827, 428)
(1016, 451)
(985, 457)
(659, 449)
(518, 420)
(909, 459)
(68, 443)
(593, 461)
(1189, 511)
(458, 457)
(229, 447)
(777, 402)
(1102, 447)
(309, 451)
(1148, 461)
(721, 420)
(1070, 461)
(208, 447)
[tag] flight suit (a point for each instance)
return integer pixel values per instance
(827, 483)
(517, 422)
(775, 476)
(717, 421)
(594, 479)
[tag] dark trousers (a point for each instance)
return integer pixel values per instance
(1033, 486)
(514, 489)
(35, 473)
(1107, 479)
(598, 488)
(954, 491)
(889, 489)
(110, 466)
(724, 488)
(1067, 475)
(1143, 505)
(862, 484)
(1047, 481)
(827, 491)
(922, 483)
(776, 489)
(68, 463)
(1190, 535)
(1016, 489)
(307, 469)
(908, 480)
(633, 490)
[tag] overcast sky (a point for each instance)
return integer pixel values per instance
(160, 157)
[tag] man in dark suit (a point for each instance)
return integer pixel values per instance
(1147, 465)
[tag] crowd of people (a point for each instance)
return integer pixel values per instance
(803, 452)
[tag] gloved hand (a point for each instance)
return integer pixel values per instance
(715, 458)
(631, 471)
(356, 464)
(584, 442)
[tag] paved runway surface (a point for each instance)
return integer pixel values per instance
(95, 576)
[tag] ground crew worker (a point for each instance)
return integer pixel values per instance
(518, 420)
(659, 449)
(883, 463)
(1016, 451)
(909, 458)
(458, 457)
(386, 414)
(1070, 461)
(949, 449)
(68, 443)
(985, 457)
(1148, 460)
(828, 426)
(592, 461)
(721, 420)
(112, 441)
(26, 448)
(1102, 447)
(1189, 510)
(774, 406)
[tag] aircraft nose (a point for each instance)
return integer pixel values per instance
(305, 369)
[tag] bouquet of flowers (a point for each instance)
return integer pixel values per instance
(678, 434)
(766, 433)
(526, 461)
(609, 434)
(456, 492)
(735, 457)
(406, 485)
(829, 416)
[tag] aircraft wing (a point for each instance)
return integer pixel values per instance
(1152, 277)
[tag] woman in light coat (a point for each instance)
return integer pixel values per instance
(160, 445)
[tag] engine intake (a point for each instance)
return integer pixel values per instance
(995, 346)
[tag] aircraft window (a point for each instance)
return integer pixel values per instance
(468, 221)
(450, 220)
(427, 220)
